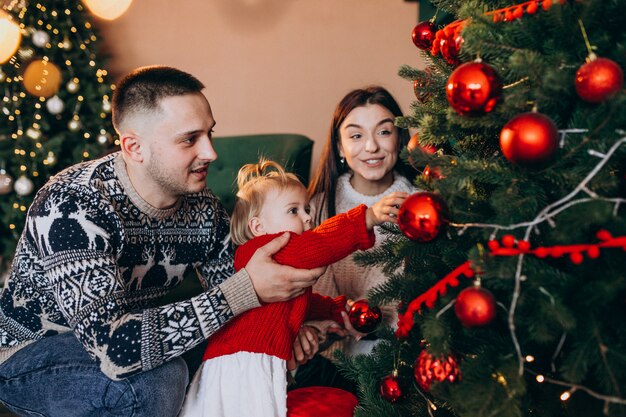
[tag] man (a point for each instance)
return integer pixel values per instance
(81, 332)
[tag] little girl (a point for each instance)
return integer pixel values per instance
(244, 368)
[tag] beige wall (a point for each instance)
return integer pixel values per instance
(271, 65)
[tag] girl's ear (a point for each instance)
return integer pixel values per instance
(256, 226)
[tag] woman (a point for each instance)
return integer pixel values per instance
(360, 164)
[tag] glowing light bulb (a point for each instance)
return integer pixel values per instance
(108, 9)
(10, 37)
(565, 396)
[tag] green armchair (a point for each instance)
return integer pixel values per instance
(290, 150)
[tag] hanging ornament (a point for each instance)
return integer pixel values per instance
(6, 182)
(598, 79)
(423, 35)
(72, 85)
(414, 144)
(473, 89)
(529, 139)
(428, 369)
(40, 38)
(475, 306)
(432, 173)
(420, 86)
(25, 53)
(74, 125)
(103, 138)
(23, 186)
(450, 47)
(55, 105)
(3, 76)
(363, 317)
(391, 387)
(422, 216)
(106, 106)
(42, 78)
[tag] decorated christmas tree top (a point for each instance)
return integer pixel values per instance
(511, 265)
(56, 106)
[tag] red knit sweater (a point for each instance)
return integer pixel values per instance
(273, 327)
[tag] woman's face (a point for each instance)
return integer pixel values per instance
(369, 143)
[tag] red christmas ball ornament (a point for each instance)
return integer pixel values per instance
(363, 317)
(428, 369)
(473, 89)
(475, 306)
(529, 138)
(391, 388)
(423, 216)
(598, 79)
(450, 48)
(423, 35)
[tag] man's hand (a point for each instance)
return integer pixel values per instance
(274, 282)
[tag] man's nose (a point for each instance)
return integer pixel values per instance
(206, 150)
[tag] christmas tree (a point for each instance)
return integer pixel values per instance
(56, 106)
(510, 267)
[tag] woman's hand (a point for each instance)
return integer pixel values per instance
(385, 210)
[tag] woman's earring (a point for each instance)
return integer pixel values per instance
(343, 161)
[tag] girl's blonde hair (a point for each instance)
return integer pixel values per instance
(253, 182)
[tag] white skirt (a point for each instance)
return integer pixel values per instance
(243, 384)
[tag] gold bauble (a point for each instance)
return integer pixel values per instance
(42, 78)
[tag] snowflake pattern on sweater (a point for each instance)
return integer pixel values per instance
(94, 258)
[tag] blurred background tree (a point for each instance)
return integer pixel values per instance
(56, 106)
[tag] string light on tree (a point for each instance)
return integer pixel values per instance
(108, 9)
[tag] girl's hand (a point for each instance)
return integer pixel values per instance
(305, 347)
(385, 209)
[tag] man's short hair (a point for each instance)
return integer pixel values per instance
(143, 89)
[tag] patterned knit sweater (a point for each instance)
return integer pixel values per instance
(345, 276)
(94, 258)
(273, 328)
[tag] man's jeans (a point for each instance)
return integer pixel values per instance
(56, 377)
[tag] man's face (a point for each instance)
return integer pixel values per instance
(176, 145)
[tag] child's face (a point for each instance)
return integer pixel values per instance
(284, 210)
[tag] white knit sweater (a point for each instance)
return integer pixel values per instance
(346, 277)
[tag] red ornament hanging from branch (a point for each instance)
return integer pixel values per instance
(598, 80)
(429, 369)
(473, 89)
(475, 306)
(529, 139)
(423, 216)
(423, 35)
(391, 388)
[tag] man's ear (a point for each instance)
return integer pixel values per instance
(130, 145)
(256, 226)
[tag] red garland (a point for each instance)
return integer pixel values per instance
(509, 248)
(506, 14)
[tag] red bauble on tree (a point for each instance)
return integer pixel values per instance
(423, 216)
(473, 89)
(423, 35)
(428, 369)
(475, 306)
(450, 47)
(529, 138)
(598, 79)
(363, 317)
(391, 388)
